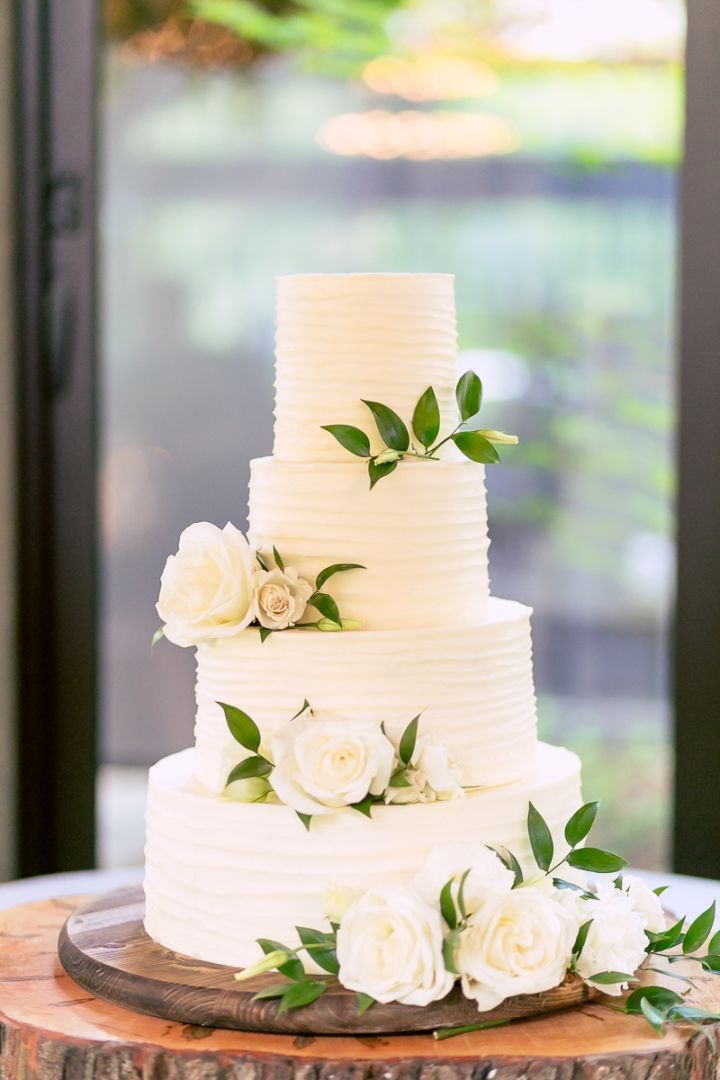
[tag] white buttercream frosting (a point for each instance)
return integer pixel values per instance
(344, 337)
(473, 685)
(421, 534)
(220, 874)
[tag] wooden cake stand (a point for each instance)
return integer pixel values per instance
(51, 1029)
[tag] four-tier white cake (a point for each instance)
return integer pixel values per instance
(222, 871)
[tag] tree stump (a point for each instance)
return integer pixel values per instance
(51, 1029)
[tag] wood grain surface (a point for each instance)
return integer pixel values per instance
(103, 945)
(52, 1029)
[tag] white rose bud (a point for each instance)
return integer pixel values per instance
(432, 775)
(389, 946)
(519, 943)
(280, 597)
(499, 437)
(323, 764)
(206, 588)
(488, 876)
(337, 900)
(616, 939)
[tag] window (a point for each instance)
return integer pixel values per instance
(528, 150)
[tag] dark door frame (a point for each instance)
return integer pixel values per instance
(56, 54)
(696, 840)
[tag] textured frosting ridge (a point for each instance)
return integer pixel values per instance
(473, 685)
(422, 535)
(220, 874)
(344, 337)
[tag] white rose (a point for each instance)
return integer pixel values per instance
(519, 943)
(322, 764)
(432, 775)
(488, 876)
(389, 946)
(642, 899)
(206, 588)
(616, 939)
(280, 597)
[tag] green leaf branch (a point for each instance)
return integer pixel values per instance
(476, 443)
(299, 989)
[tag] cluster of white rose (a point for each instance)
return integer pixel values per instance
(394, 944)
(214, 588)
(323, 763)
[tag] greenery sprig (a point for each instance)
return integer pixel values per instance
(300, 989)
(259, 766)
(322, 601)
(476, 443)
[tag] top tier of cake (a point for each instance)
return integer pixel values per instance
(344, 337)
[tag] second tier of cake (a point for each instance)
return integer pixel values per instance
(473, 686)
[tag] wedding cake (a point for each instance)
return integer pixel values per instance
(366, 720)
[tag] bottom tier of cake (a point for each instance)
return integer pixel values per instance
(221, 873)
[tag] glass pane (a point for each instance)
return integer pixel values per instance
(529, 147)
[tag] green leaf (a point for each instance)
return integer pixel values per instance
(326, 606)
(364, 806)
(561, 883)
(468, 394)
(541, 840)
(426, 418)
(447, 904)
(448, 950)
(305, 818)
(581, 937)
(249, 768)
(448, 1033)
(278, 561)
(157, 636)
(377, 472)
(699, 930)
(242, 728)
(408, 740)
(302, 993)
(658, 996)
(325, 956)
(399, 779)
(392, 429)
(581, 823)
(292, 968)
(305, 707)
(275, 991)
(661, 889)
(711, 962)
(264, 634)
(714, 943)
(654, 1017)
(336, 568)
(461, 893)
(350, 438)
(508, 859)
(666, 939)
(364, 1002)
(606, 978)
(596, 861)
(261, 561)
(476, 447)
(692, 1014)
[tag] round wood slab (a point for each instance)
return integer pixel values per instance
(103, 945)
(50, 1029)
